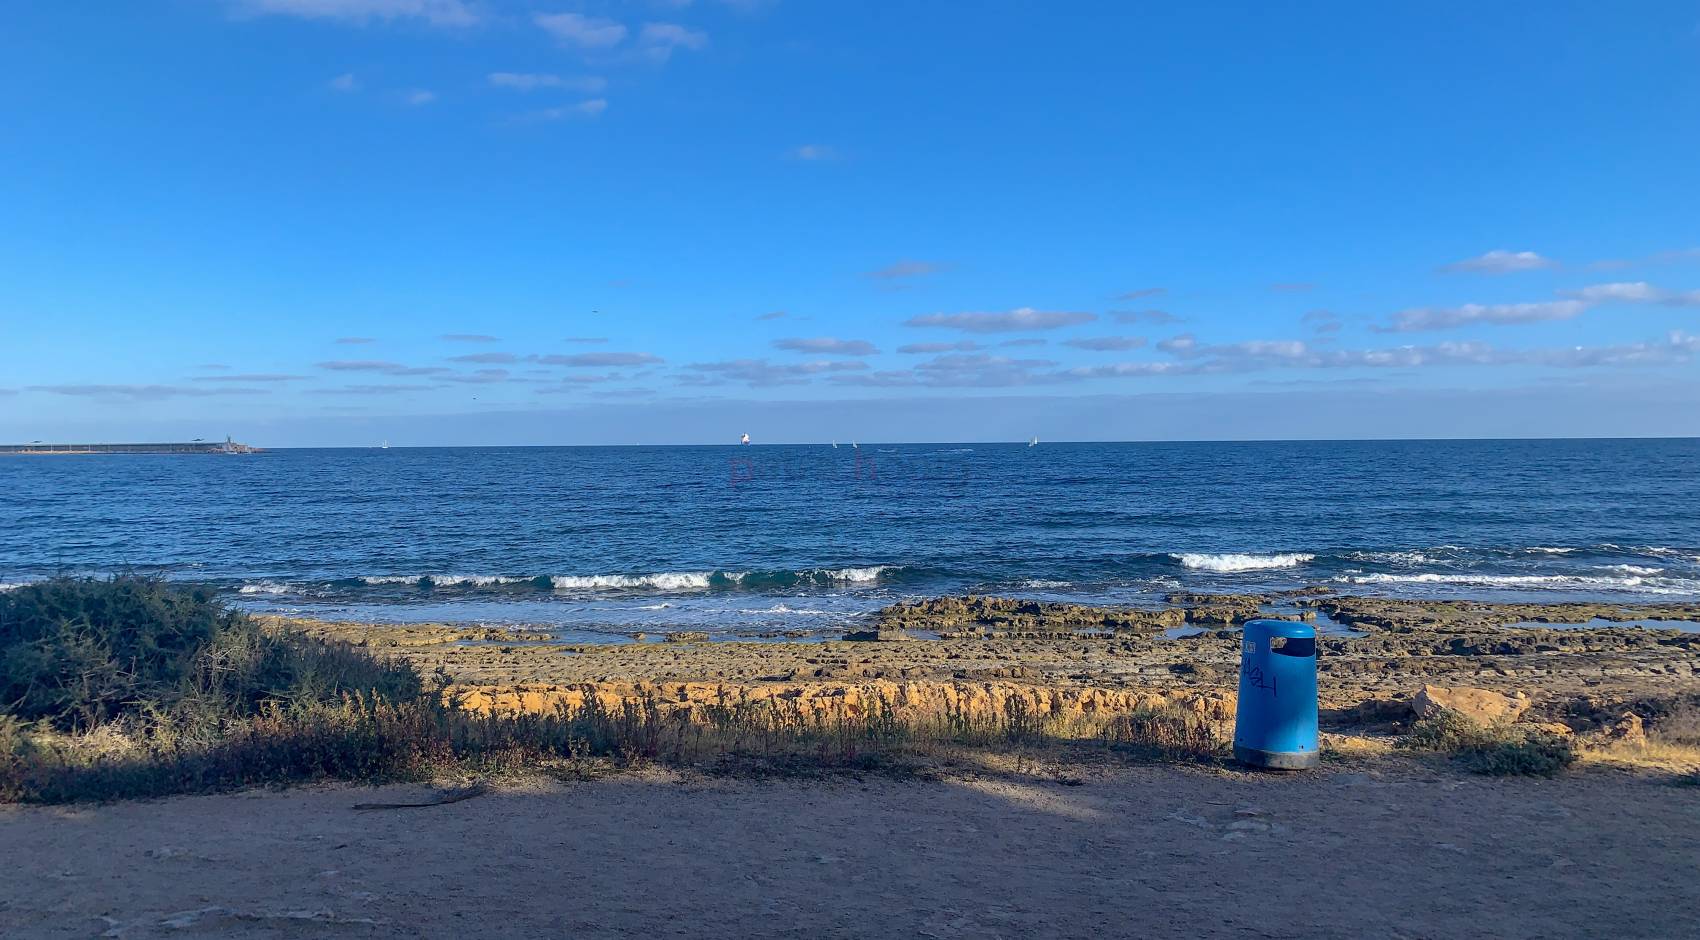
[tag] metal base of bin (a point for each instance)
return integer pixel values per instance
(1277, 760)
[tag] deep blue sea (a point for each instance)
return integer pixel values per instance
(606, 541)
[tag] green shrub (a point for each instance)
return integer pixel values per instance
(1500, 750)
(77, 653)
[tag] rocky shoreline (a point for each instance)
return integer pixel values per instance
(1377, 658)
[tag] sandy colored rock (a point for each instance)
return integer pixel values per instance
(1479, 705)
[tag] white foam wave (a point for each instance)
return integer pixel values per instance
(661, 581)
(444, 580)
(1633, 569)
(869, 573)
(1039, 584)
(783, 609)
(1546, 550)
(1391, 558)
(1632, 584)
(1233, 561)
(12, 585)
(267, 587)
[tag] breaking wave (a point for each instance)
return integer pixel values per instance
(1233, 561)
(1631, 584)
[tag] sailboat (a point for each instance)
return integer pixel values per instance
(1033, 443)
(834, 445)
(385, 445)
(745, 439)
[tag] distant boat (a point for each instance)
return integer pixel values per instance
(834, 445)
(384, 446)
(853, 445)
(1033, 443)
(745, 439)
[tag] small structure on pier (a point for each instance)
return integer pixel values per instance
(229, 446)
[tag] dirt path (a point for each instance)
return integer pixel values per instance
(1150, 852)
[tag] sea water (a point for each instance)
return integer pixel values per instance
(801, 539)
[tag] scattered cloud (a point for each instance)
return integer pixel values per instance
(142, 392)
(1141, 293)
(1323, 321)
(434, 12)
(760, 372)
(377, 365)
(1144, 316)
(480, 376)
(660, 40)
(1107, 343)
(906, 269)
(344, 83)
(1025, 341)
(1440, 318)
(584, 109)
(592, 360)
(585, 32)
(420, 96)
(489, 358)
(773, 315)
(812, 152)
(1021, 318)
(966, 345)
(1635, 292)
(585, 339)
(354, 340)
(531, 81)
(1499, 261)
(827, 345)
(375, 389)
(977, 370)
(469, 338)
(250, 377)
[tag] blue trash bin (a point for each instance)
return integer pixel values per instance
(1275, 721)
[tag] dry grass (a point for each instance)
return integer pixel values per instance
(371, 740)
(1498, 750)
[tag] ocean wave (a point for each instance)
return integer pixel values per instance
(1391, 558)
(1040, 584)
(267, 587)
(662, 581)
(1632, 569)
(1630, 584)
(1234, 561)
(445, 580)
(1546, 550)
(13, 585)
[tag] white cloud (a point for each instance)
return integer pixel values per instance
(1636, 292)
(659, 40)
(1142, 292)
(760, 372)
(1021, 318)
(531, 81)
(344, 83)
(1440, 318)
(420, 96)
(434, 12)
(829, 345)
(966, 345)
(906, 269)
(812, 152)
(1107, 343)
(584, 109)
(585, 32)
(1500, 261)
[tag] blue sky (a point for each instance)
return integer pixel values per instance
(496, 221)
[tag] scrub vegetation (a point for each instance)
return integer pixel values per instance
(133, 687)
